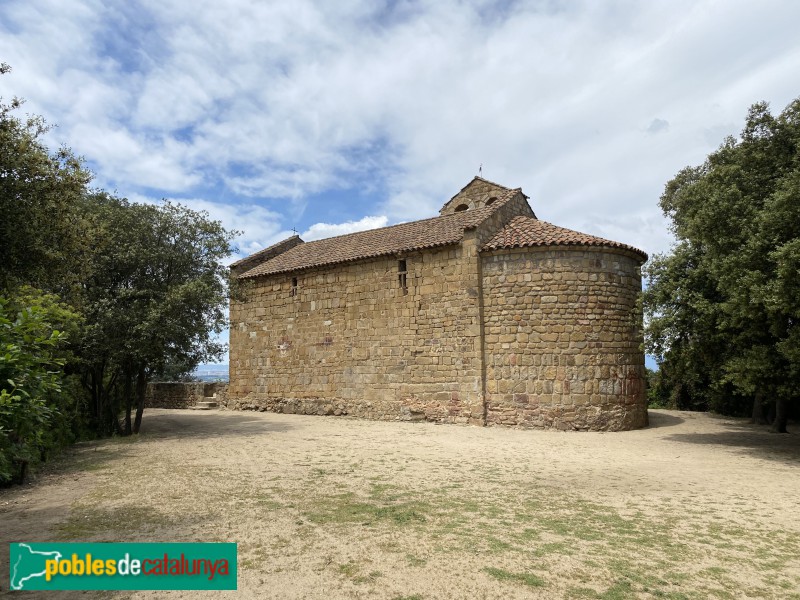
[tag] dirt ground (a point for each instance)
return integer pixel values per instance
(695, 506)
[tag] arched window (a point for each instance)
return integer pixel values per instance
(491, 201)
(461, 207)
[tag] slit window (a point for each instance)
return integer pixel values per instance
(293, 291)
(402, 275)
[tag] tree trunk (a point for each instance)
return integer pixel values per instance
(758, 410)
(97, 413)
(781, 416)
(127, 391)
(771, 413)
(141, 388)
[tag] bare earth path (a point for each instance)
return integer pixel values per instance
(696, 506)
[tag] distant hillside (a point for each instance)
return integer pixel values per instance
(212, 372)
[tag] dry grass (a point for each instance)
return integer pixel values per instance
(696, 507)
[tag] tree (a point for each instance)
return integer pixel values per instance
(33, 331)
(722, 308)
(155, 298)
(95, 292)
(40, 228)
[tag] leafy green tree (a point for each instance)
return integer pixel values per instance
(141, 288)
(42, 233)
(34, 328)
(156, 298)
(722, 307)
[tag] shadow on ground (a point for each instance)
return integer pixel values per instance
(658, 419)
(755, 440)
(188, 424)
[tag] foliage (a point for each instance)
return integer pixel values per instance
(42, 233)
(723, 305)
(33, 330)
(154, 301)
(657, 396)
(141, 288)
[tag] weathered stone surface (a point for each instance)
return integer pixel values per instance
(354, 339)
(574, 358)
(544, 336)
(184, 394)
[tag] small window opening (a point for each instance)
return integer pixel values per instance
(461, 207)
(402, 275)
(293, 291)
(491, 201)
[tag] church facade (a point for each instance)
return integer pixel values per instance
(483, 315)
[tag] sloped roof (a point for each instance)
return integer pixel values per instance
(405, 237)
(523, 232)
(481, 179)
(266, 253)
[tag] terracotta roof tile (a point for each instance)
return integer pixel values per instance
(405, 237)
(522, 232)
(265, 252)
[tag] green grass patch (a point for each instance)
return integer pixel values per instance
(497, 545)
(349, 569)
(112, 524)
(528, 579)
(347, 509)
(415, 561)
(352, 571)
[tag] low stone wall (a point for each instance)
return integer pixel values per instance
(377, 410)
(179, 394)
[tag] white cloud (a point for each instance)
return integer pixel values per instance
(657, 126)
(589, 107)
(325, 230)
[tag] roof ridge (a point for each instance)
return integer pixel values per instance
(510, 193)
(518, 238)
(597, 237)
(345, 235)
(266, 250)
(477, 178)
(432, 232)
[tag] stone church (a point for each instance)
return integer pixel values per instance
(483, 315)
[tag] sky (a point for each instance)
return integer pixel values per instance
(331, 117)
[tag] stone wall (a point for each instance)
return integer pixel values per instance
(535, 337)
(177, 394)
(563, 338)
(353, 341)
(475, 195)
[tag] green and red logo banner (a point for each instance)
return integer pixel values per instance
(123, 566)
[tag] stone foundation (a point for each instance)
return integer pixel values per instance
(179, 394)
(387, 410)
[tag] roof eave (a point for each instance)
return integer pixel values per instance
(393, 252)
(623, 247)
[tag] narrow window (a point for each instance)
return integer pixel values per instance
(461, 207)
(402, 275)
(293, 291)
